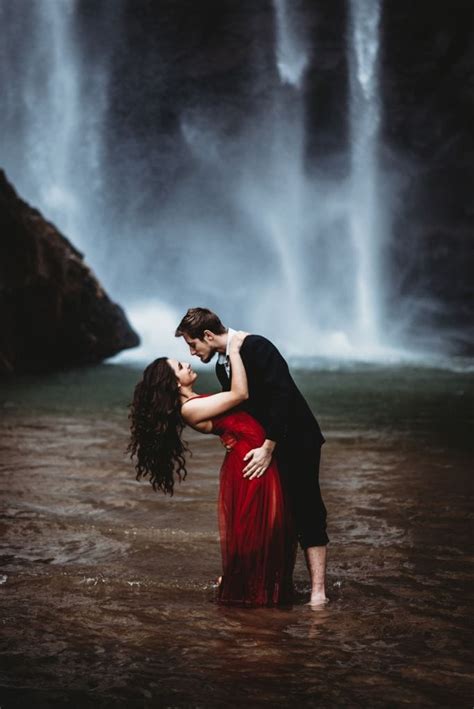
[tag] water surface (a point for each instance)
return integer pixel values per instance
(108, 588)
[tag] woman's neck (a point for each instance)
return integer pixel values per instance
(186, 393)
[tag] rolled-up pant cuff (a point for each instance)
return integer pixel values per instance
(319, 540)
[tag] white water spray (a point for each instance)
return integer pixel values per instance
(291, 52)
(53, 135)
(284, 185)
(364, 217)
(248, 229)
(62, 106)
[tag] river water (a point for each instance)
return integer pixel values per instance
(108, 588)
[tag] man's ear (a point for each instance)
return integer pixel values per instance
(208, 336)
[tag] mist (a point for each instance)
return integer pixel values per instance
(182, 191)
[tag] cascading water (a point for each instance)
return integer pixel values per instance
(296, 210)
(55, 107)
(294, 256)
(284, 202)
(291, 53)
(365, 222)
(55, 120)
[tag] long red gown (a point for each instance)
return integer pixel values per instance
(258, 542)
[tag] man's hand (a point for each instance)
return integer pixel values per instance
(258, 460)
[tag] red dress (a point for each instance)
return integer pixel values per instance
(258, 542)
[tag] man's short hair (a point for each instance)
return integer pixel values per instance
(196, 321)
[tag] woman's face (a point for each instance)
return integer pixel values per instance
(184, 372)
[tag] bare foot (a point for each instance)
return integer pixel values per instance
(217, 582)
(318, 600)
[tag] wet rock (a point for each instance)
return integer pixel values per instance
(53, 311)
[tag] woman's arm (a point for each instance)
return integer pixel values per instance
(199, 411)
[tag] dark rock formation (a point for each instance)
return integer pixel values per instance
(53, 311)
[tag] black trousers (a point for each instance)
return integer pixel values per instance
(299, 469)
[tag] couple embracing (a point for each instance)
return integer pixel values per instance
(269, 496)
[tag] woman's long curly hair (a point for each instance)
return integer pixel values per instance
(156, 427)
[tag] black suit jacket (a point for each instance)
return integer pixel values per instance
(274, 398)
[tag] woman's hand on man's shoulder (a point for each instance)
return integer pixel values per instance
(237, 340)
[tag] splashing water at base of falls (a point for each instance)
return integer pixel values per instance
(246, 226)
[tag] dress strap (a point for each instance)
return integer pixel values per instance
(191, 398)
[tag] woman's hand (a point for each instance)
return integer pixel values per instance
(239, 385)
(236, 342)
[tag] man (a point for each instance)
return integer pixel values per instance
(293, 434)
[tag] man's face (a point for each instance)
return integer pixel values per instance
(200, 348)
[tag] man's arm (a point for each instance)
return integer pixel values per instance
(272, 370)
(260, 354)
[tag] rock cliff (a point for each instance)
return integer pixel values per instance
(53, 311)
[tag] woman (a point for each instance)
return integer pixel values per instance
(257, 540)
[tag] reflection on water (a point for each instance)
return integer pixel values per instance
(108, 589)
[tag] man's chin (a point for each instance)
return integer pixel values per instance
(206, 360)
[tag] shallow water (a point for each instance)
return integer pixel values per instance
(108, 588)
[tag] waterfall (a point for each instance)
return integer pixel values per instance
(348, 317)
(55, 118)
(238, 210)
(284, 186)
(292, 57)
(364, 213)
